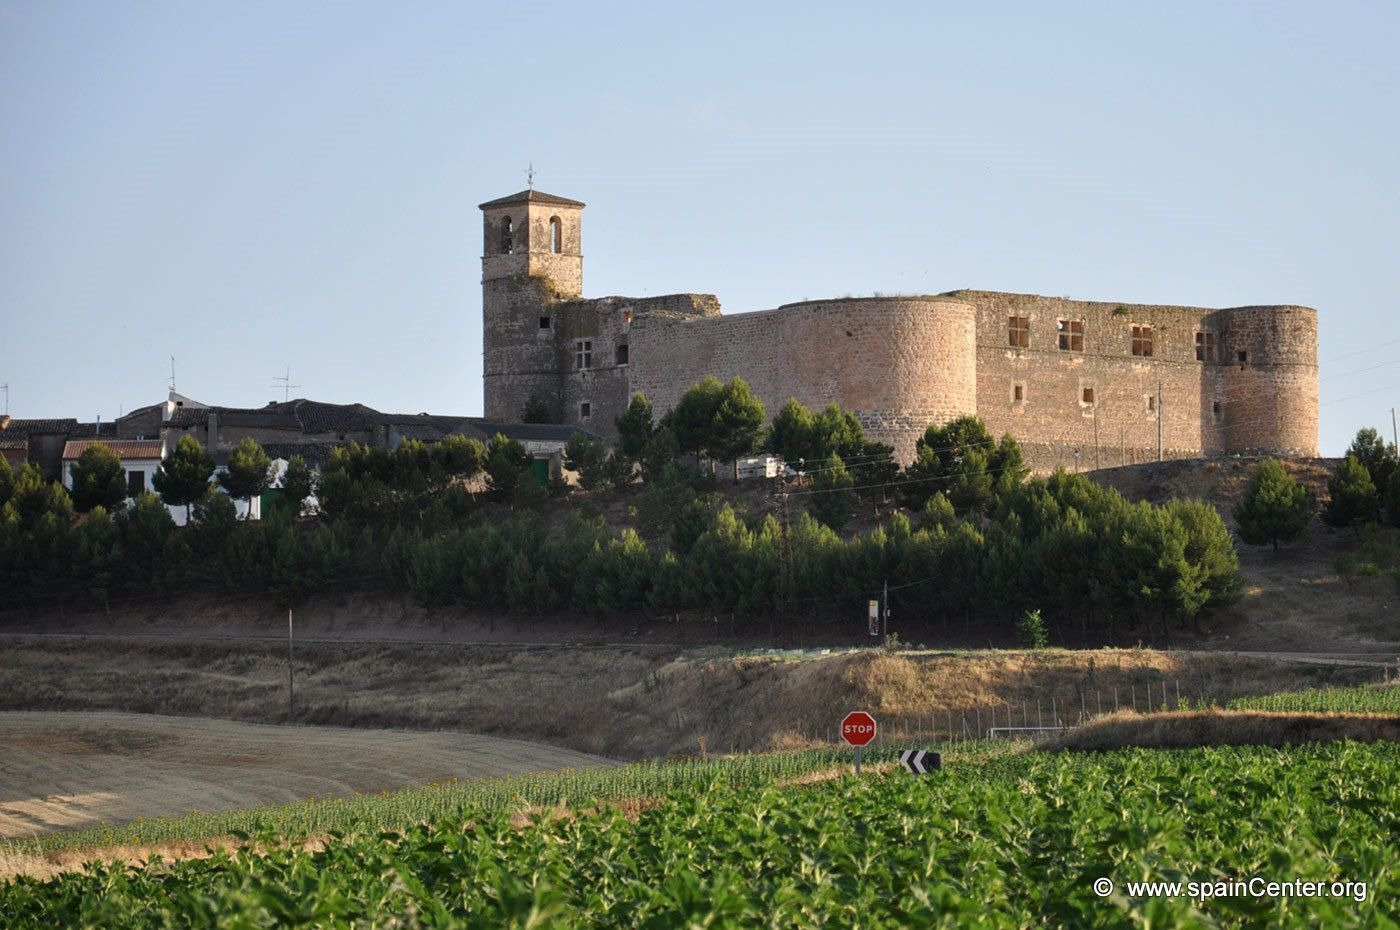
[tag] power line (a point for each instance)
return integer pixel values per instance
(1361, 352)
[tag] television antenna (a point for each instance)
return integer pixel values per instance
(6, 388)
(286, 384)
(172, 373)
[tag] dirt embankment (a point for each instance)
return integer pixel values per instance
(623, 703)
(1189, 729)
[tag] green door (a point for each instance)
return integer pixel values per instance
(541, 469)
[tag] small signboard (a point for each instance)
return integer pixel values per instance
(874, 617)
(920, 761)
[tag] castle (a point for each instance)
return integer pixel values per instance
(1077, 383)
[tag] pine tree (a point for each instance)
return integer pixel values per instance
(99, 556)
(249, 472)
(1353, 495)
(1378, 456)
(297, 482)
(634, 427)
(1276, 508)
(98, 479)
(738, 422)
(183, 478)
(1392, 499)
(833, 501)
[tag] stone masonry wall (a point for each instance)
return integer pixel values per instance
(1203, 403)
(899, 364)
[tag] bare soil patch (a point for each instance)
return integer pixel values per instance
(70, 770)
(1188, 729)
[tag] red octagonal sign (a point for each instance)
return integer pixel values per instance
(858, 728)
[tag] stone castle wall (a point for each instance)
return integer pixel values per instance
(898, 364)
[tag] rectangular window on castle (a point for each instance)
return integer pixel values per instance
(1071, 335)
(583, 354)
(1087, 396)
(1205, 346)
(544, 322)
(1019, 332)
(1018, 393)
(585, 410)
(1142, 340)
(1216, 410)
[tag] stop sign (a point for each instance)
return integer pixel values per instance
(858, 728)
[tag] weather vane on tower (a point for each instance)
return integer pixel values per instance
(530, 175)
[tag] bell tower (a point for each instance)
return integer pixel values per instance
(531, 259)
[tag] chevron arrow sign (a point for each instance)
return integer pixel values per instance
(920, 761)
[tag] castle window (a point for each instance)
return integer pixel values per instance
(556, 235)
(1216, 410)
(1142, 340)
(1087, 395)
(585, 410)
(135, 483)
(507, 236)
(583, 354)
(1205, 346)
(622, 353)
(544, 322)
(627, 318)
(1243, 356)
(1071, 335)
(1018, 393)
(1151, 403)
(1019, 332)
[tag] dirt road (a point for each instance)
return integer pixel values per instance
(65, 770)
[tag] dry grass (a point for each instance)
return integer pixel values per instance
(1187, 729)
(626, 704)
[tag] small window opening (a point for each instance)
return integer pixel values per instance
(583, 354)
(135, 483)
(544, 322)
(1018, 393)
(1019, 332)
(1205, 347)
(1151, 403)
(1142, 340)
(556, 235)
(1243, 356)
(1088, 395)
(1071, 335)
(1215, 410)
(507, 236)
(627, 318)
(622, 353)
(585, 410)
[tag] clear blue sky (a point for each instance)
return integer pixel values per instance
(250, 186)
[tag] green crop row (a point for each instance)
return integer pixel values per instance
(1375, 700)
(402, 809)
(1016, 841)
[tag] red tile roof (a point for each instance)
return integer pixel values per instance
(125, 448)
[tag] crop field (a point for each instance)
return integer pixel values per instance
(1381, 700)
(385, 810)
(1012, 840)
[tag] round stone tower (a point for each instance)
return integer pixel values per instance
(531, 259)
(1270, 380)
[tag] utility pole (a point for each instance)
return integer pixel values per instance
(885, 615)
(291, 681)
(1159, 421)
(785, 580)
(1394, 434)
(1122, 446)
(6, 388)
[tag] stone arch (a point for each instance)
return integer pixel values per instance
(507, 235)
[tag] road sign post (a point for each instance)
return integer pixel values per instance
(920, 761)
(858, 729)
